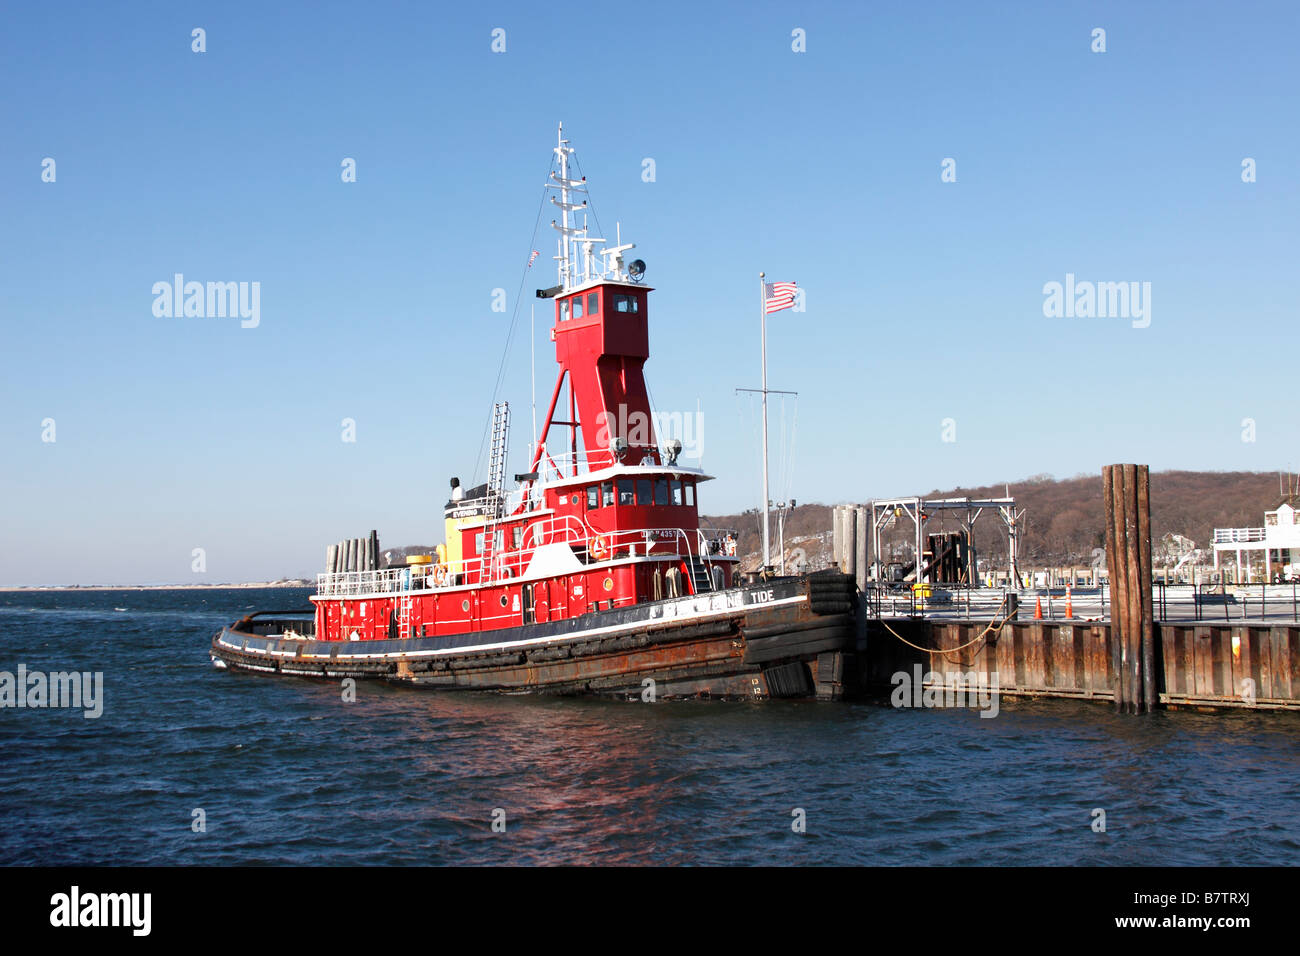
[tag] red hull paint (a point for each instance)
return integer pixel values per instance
(460, 610)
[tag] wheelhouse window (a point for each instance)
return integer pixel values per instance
(689, 488)
(626, 496)
(644, 494)
(593, 304)
(498, 540)
(593, 497)
(677, 492)
(577, 306)
(564, 310)
(626, 303)
(661, 491)
(607, 494)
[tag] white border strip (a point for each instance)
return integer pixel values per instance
(540, 641)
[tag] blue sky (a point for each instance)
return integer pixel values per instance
(924, 298)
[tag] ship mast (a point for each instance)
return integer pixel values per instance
(579, 262)
(767, 498)
(566, 205)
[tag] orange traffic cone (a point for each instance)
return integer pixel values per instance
(1038, 608)
(1069, 607)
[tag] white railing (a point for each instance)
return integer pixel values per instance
(382, 581)
(634, 542)
(553, 467)
(559, 529)
(709, 544)
(1237, 535)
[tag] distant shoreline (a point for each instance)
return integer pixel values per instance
(156, 587)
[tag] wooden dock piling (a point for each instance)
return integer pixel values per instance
(1127, 500)
(1150, 693)
(862, 519)
(849, 541)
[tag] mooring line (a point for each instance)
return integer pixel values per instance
(953, 650)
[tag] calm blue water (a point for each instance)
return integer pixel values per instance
(287, 773)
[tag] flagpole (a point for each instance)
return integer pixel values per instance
(762, 311)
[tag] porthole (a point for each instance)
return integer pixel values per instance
(504, 602)
(464, 605)
(609, 584)
(573, 500)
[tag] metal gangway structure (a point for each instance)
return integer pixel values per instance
(886, 511)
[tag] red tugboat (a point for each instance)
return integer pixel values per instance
(594, 576)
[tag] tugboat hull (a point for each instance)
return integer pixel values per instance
(778, 639)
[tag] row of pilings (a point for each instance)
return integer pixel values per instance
(850, 537)
(354, 554)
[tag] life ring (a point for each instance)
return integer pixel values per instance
(597, 548)
(440, 575)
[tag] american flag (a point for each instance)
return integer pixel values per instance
(777, 296)
(532, 259)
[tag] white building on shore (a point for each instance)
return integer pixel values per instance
(1278, 539)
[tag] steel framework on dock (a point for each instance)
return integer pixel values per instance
(919, 510)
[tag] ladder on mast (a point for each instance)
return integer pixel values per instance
(495, 485)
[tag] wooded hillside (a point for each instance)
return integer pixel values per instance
(1063, 520)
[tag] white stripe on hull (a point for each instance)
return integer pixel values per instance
(542, 641)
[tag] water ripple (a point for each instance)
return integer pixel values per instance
(285, 772)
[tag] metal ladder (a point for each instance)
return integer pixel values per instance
(495, 486)
(497, 459)
(700, 581)
(404, 618)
